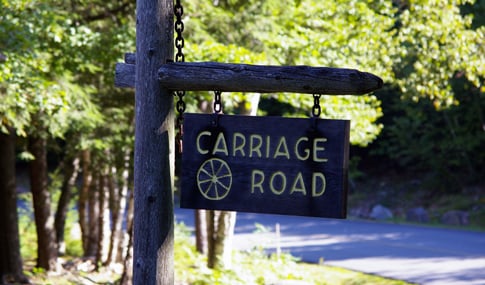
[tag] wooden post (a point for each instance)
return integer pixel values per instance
(153, 217)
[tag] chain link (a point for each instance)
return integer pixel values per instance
(179, 28)
(179, 57)
(316, 110)
(217, 102)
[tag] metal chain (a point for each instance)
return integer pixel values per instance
(179, 28)
(217, 102)
(316, 110)
(179, 57)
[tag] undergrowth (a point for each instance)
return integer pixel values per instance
(258, 268)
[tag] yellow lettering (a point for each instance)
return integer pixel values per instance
(220, 145)
(283, 183)
(199, 148)
(306, 151)
(238, 147)
(298, 185)
(317, 148)
(256, 141)
(282, 149)
(316, 192)
(259, 183)
(268, 144)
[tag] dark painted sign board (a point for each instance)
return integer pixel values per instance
(265, 165)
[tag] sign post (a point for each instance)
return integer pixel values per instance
(300, 165)
(153, 216)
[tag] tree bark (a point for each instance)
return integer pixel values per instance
(201, 231)
(10, 258)
(127, 275)
(116, 215)
(220, 225)
(44, 221)
(93, 216)
(154, 145)
(83, 199)
(71, 170)
(118, 234)
(103, 219)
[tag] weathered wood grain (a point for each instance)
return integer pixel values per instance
(130, 57)
(125, 75)
(226, 77)
(153, 199)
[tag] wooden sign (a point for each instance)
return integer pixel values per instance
(265, 165)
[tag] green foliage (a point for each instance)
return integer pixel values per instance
(258, 268)
(437, 42)
(37, 78)
(446, 146)
(27, 234)
(320, 33)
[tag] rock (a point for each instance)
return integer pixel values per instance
(361, 211)
(380, 212)
(455, 218)
(417, 215)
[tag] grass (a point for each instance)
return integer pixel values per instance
(249, 267)
(256, 267)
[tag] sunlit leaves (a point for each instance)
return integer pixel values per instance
(353, 34)
(437, 42)
(37, 84)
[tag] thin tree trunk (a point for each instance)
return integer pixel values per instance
(201, 231)
(127, 275)
(116, 216)
(71, 170)
(46, 237)
(10, 258)
(128, 258)
(83, 199)
(125, 183)
(220, 225)
(93, 215)
(103, 220)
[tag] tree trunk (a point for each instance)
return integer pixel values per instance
(201, 231)
(44, 222)
(71, 170)
(10, 259)
(128, 259)
(83, 199)
(93, 216)
(220, 225)
(103, 220)
(116, 215)
(118, 234)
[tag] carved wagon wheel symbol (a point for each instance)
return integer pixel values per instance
(214, 179)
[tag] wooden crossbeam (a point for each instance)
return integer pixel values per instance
(205, 76)
(227, 77)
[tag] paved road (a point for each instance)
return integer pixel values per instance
(413, 253)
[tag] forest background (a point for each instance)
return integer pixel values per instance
(65, 124)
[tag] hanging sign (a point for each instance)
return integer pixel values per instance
(265, 165)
